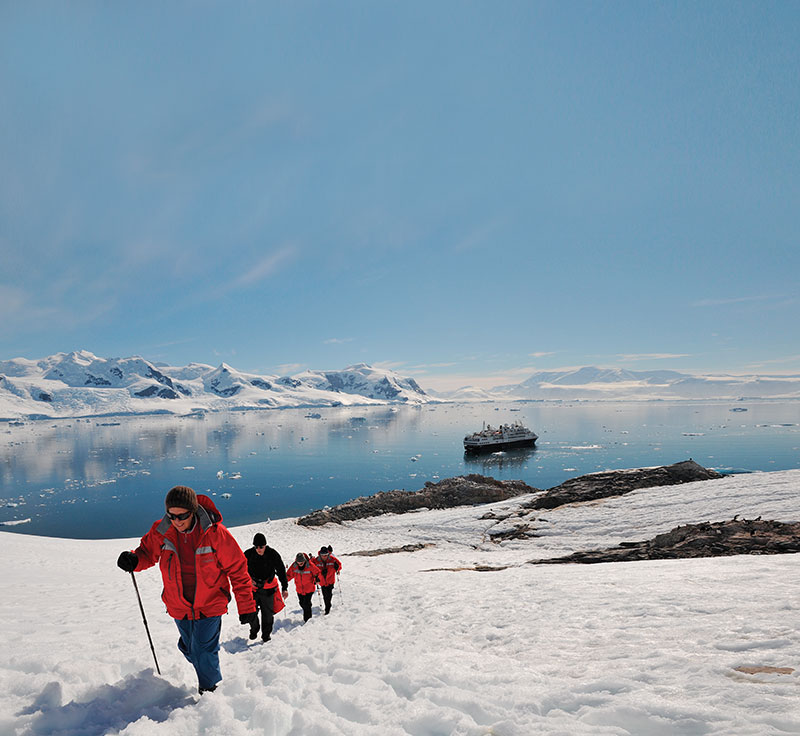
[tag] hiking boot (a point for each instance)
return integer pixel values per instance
(202, 690)
(254, 630)
(266, 638)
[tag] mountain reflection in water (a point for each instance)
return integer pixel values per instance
(107, 477)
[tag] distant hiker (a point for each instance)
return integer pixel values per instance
(266, 568)
(200, 561)
(329, 567)
(306, 576)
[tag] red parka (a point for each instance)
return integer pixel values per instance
(327, 569)
(219, 562)
(305, 578)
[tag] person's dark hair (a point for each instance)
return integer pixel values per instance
(181, 497)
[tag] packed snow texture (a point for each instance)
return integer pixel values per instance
(418, 644)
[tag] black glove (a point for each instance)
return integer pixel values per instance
(259, 583)
(248, 618)
(127, 561)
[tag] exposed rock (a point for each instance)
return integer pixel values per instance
(717, 539)
(154, 390)
(463, 490)
(764, 670)
(619, 482)
(389, 550)
(474, 568)
(518, 531)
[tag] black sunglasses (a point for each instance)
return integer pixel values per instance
(179, 517)
(261, 546)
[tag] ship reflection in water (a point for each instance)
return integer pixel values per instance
(494, 461)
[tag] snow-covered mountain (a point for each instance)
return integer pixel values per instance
(82, 384)
(594, 383)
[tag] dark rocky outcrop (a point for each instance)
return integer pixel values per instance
(159, 391)
(389, 550)
(619, 482)
(463, 490)
(707, 539)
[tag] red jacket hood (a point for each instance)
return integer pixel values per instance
(208, 505)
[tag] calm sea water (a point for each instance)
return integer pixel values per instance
(107, 478)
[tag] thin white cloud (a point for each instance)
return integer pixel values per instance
(540, 355)
(52, 307)
(480, 236)
(651, 356)
(287, 369)
(389, 365)
(733, 300)
(453, 381)
(791, 363)
(172, 343)
(266, 267)
(338, 340)
(423, 368)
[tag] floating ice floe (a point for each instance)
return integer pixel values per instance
(226, 495)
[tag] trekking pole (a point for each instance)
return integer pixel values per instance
(339, 588)
(146, 627)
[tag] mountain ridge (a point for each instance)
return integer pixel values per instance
(595, 383)
(80, 384)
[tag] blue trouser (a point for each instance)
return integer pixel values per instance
(199, 643)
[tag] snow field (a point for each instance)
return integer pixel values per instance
(409, 648)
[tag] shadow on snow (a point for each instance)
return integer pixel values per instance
(282, 623)
(109, 707)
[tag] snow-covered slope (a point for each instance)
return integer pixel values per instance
(82, 384)
(418, 644)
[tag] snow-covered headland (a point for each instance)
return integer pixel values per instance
(79, 384)
(592, 383)
(416, 644)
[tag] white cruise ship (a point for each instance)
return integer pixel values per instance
(497, 438)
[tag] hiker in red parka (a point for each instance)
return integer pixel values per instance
(329, 567)
(199, 561)
(306, 576)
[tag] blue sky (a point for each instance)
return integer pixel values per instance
(466, 192)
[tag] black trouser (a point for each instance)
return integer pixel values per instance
(305, 604)
(327, 596)
(265, 602)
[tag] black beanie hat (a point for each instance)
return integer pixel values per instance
(181, 497)
(259, 540)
